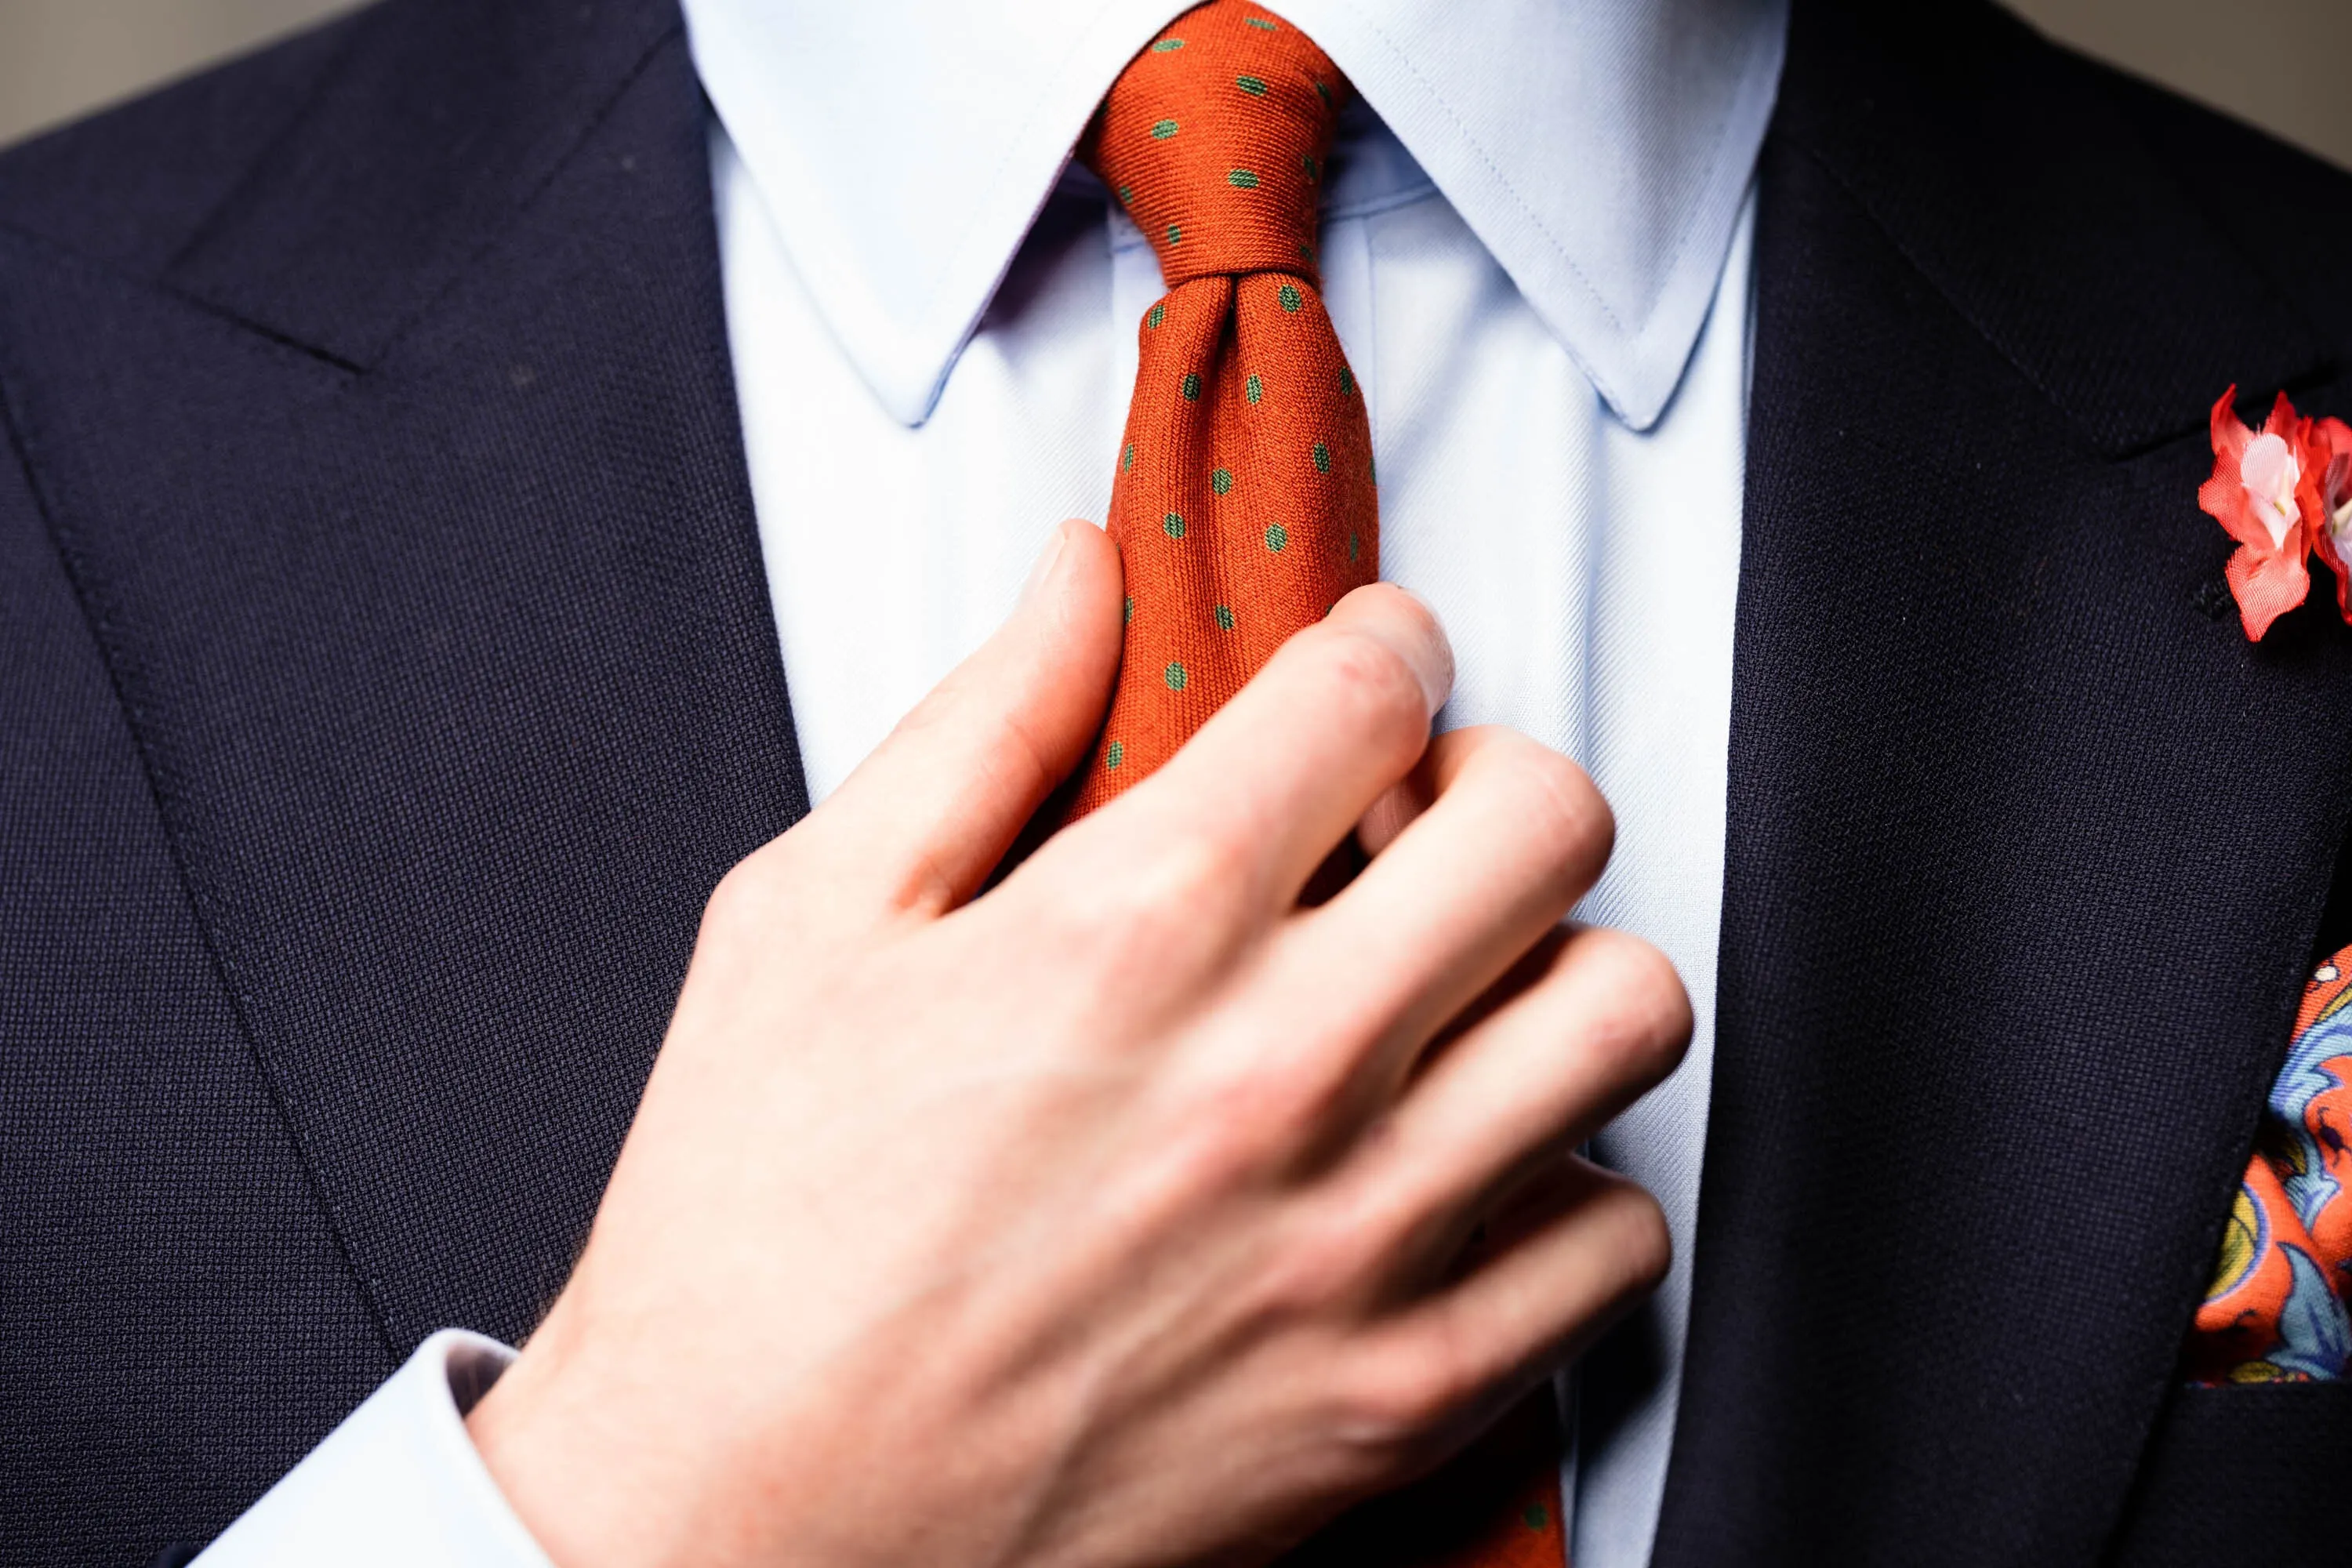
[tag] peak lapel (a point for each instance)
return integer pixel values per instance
(444, 121)
(411, 516)
(2026, 848)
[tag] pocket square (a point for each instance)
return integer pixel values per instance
(2276, 1310)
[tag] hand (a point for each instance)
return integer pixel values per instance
(1128, 1213)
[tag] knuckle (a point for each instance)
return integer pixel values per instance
(1565, 818)
(1181, 894)
(747, 896)
(748, 912)
(1645, 1011)
(1412, 1391)
(1192, 1162)
(1284, 1108)
(1320, 1267)
(1406, 1394)
(1277, 1111)
(1195, 879)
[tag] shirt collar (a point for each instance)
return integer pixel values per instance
(1600, 148)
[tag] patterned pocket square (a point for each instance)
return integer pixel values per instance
(2276, 1310)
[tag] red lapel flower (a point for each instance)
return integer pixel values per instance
(2258, 492)
(2328, 464)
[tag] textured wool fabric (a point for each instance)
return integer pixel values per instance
(1244, 506)
(322, 1018)
(1970, 1007)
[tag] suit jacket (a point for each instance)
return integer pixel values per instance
(387, 675)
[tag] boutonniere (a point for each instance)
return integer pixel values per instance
(2284, 494)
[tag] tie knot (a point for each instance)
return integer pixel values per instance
(1214, 140)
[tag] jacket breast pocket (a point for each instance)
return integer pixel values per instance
(2252, 1473)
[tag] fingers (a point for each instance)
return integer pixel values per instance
(1281, 773)
(1583, 1246)
(1515, 835)
(1392, 813)
(922, 821)
(1603, 1021)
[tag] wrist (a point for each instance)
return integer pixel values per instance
(580, 1462)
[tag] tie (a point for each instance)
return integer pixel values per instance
(1243, 509)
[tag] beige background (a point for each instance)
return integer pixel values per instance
(2284, 64)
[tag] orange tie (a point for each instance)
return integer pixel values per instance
(1244, 506)
(1243, 509)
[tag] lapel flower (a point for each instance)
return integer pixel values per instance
(2254, 494)
(2284, 494)
(2328, 443)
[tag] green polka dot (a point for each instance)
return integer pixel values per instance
(1114, 754)
(1172, 525)
(1163, 130)
(1307, 162)
(1250, 85)
(1536, 1517)
(1346, 380)
(1276, 537)
(1254, 389)
(1126, 194)
(1306, 252)
(1225, 617)
(1324, 93)
(1241, 179)
(1126, 616)
(1174, 233)
(1372, 469)
(1167, 46)
(1355, 549)
(1127, 458)
(1156, 314)
(1261, 24)
(1221, 481)
(1174, 676)
(1288, 297)
(1322, 459)
(1191, 388)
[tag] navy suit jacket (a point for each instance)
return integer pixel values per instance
(387, 675)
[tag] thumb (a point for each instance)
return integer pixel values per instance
(923, 820)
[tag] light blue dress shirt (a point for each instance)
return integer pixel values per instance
(1536, 252)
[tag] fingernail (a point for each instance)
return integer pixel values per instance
(1437, 676)
(1432, 658)
(1046, 560)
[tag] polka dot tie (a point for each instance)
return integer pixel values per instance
(1244, 505)
(1243, 509)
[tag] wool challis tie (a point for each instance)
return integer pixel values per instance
(1243, 504)
(1243, 509)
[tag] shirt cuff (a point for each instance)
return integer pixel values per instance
(399, 1483)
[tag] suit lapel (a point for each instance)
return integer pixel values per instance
(2027, 845)
(410, 511)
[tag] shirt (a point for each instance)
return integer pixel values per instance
(1536, 256)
